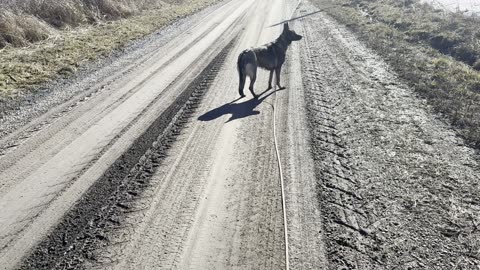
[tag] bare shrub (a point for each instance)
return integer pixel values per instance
(116, 9)
(20, 29)
(58, 13)
(33, 29)
(10, 32)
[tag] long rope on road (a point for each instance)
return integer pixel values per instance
(284, 209)
(282, 184)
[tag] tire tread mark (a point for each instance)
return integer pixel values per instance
(87, 225)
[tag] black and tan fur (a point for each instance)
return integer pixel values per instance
(270, 56)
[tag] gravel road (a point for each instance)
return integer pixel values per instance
(159, 165)
(153, 162)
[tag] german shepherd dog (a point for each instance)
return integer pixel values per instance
(270, 56)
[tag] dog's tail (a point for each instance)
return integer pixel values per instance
(241, 73)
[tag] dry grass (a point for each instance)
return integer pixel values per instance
(64, 50)
(437, 53)
(21, 30)
(25, 21)
(450, 33)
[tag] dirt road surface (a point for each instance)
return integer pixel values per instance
(398, 189)
(212, 201)
(157, 164)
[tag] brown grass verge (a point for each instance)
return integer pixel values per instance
(21, 69)
(450, 84)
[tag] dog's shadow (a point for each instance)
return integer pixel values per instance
(237, 110)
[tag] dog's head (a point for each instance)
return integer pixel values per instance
(290, 35)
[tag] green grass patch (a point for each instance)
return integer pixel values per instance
(436, 52)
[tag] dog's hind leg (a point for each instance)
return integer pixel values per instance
(242, 75)
(253, 78)
(243, 78)
(251, 71)
(270, 80)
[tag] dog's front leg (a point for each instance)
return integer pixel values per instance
(278, 70)
(270, 80)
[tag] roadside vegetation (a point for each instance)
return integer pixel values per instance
(43, 39)
(436, 52)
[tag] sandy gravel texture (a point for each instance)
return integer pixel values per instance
(397, 188)
(162, 166)
(211, 198)
(215, 202)
(149, 171)
(63, 152)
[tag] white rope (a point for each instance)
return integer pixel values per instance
(282, 184)
(284, 209)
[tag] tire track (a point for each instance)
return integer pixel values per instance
(396, 185)
(38, 200)
(304, 216)
(88, 225)
(338, 183)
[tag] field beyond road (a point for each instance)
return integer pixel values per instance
(468, 7)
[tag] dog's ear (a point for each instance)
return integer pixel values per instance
(285, 26)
